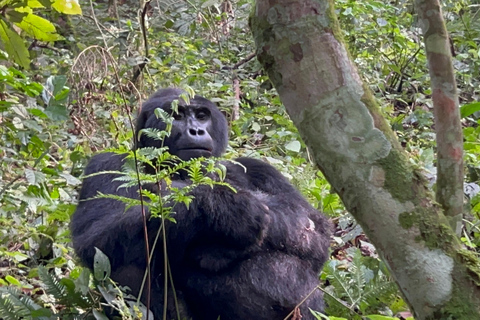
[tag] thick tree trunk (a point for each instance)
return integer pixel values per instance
(299, 44)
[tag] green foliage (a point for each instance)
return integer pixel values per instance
(20, 13)
(359, 287)
(78, 100)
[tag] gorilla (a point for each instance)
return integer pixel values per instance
(252, 253)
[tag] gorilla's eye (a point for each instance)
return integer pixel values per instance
(201, 115)
(178, 115)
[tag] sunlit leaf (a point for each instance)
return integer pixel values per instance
(67, 6)
(39, 28)
(14, 45)
(13, 281)
(294, 146)
(35, 4)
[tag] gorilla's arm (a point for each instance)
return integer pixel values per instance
(103, 222)
(296, 227)
(270, 280)
(219, 227)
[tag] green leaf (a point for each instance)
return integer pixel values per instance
(293, 146)
(54, 86)
(36, 3)
(16, 16)
(99, 315)
(379, 317)
(71, 180)
(39, 28)
(468, 109)
(34, 177)
(63, 95)
(101, 265)
(41, 313)
(83, 281)
(57, 112)
(14, 45)
(52, 284)
(67, 6)
(13, 281)
(45, 3)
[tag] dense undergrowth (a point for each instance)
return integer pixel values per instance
(78, 95)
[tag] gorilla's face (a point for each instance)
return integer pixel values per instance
(190, 136)
(199, 129)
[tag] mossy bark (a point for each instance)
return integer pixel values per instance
(446, 111)
(299, 44)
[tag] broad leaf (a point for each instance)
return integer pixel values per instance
(57, 112)
(67, 6)
(15, 16)
(14, 45)
(293, 146)
(469, 109)
(379, 317)
(39, 28)
(101, 265)
(35, 4)
(13, 281)
(99, 315)
(34, 177)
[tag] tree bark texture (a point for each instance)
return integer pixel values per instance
(299, 43)
(446, 111)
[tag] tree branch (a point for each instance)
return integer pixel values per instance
(446, 111)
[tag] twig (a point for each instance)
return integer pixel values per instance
(142, 65)
(236, 103)
(245, 60)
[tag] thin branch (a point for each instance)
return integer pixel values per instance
(236, 103)
(239, 63)
(143, 27)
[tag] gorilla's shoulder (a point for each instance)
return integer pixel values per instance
(265, 177)
(104, 161)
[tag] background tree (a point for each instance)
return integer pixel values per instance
(78, 95)
(300, 45)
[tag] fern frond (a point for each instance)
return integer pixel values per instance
(14, 303)
(7, 307)
(339, 280)
(380, 291)
(154, 133)
(358, 271)
(52, 284)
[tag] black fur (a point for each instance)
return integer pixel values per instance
(253, 254)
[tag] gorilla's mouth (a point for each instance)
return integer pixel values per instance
(197, 152)
(200, 149)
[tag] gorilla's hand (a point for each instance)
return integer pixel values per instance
(240, 217)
